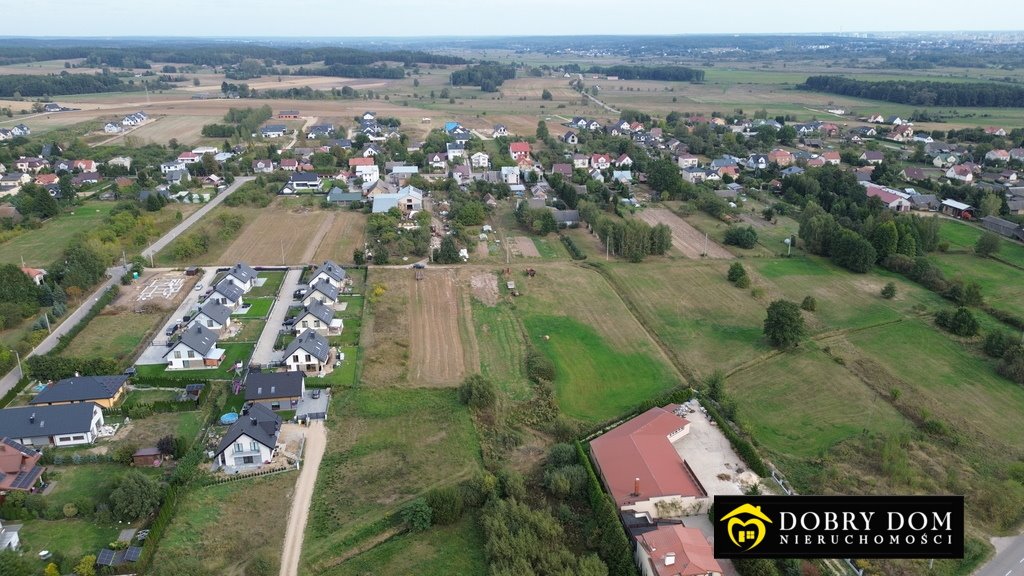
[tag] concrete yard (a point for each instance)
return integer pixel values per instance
(711, 456)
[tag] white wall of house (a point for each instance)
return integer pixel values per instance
(319, 297)
(244, 453)
(182, 357)
(313, 323)
(206, 322)
(301, 361)
(84, 437)
(245, 286)
(326, 278)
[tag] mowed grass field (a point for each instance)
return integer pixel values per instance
(605, 362)
(114, 333)
(41, 247)
(185, 129)
(385, 446)
(225, 528)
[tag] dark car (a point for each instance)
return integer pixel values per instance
(171, 329)
(129, 371)
(299, 293)
(419, 265)
(316, 393)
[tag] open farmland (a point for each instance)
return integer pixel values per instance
(385, 446)
(346, 234)
(185, 129)
(685, 238)
(278, 235)
(438, 355)
(385, 336)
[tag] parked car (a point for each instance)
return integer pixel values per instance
(299, 293)
(172, 329)
(199, 287)
(316, 393)
(419, 265)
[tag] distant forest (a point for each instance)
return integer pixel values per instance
(487, 76)
(32, 86)
(665, 73)
(921, 93)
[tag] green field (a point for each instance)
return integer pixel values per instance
(271, 287)
(384, 447)
(258, 308)
(228, 528)
(550, 247)
(41, 247)
(502, 349)
(344, 375)
(963, 236)
(250, 332)
(143, 396)
(114, 335)
(73, 538)
(456, 550)
(1000, 283)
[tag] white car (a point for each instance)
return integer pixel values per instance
(199, 287)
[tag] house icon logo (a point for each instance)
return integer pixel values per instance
(746, 526)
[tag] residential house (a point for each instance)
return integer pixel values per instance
(30, 164)
(510, 175)
(600, 161)
(624, 161)
(112, 127)
(566, 218)
(172, 166)
(694, 175)
(872, 157)
(289, 164)
(85, 178)
(816, 162)
(641, 467)
(519, 150)
(997, 156)
(499, 130)
(249, 442)
(339, 196)
(52, 107)
(305, 181)
(1017, 154)
(892, 199)
(122, 161)
(944, 159)
(961, 173)
(902, 133)
(105, 391)
(455, 150)
(365, 168)
(288, 115)
(190, 157)
(134, 119)
(275, 390)
(371, 151)
(197, 348)
(913, 174)
(780, 157)
(320, 131)
(580, 161)
(375, 188)
(36, 274)
(212, 315)
(368, 117)
(994, 131)
(273, 130)
(330, 272)
(308, 353)
(757, 162)
(438, 160)
(12, 182)
(323, 292)
(687, 161)
(19, 470)
(623, 176)
(570, 138)
(923, 137)
(480, 160)
(407, 200)
(227, 293)
(675, 550)
(178, 177)
(563, 169)
(792, 171)
(262, 166)
(46, 179)
(58, 425)
(320, 318)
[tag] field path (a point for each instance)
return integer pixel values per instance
(295, 137)
(318, 238)
(316, 443)
(123, 133)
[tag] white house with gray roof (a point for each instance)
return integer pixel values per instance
(197, 348)
(212, 315)
(59, 425)
(308, 353)
(228, 294)
(323, 292)
(320, 318)
(251, 440)
(330, 272)
(243, 276)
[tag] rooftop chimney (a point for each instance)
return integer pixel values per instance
(670, 558)
(253, 421)
(636, 486)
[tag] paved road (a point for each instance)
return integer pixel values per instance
(316, 442)
(194, 217)
(12, 377)
(1009, 558)
(264, 352)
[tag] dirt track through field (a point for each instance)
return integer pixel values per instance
(346, 234)
(278, 236)
(316, 443)
(318, 238)
(437, 357)
(685, 238)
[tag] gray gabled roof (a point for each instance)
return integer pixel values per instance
(325, 288)
(216, 312)
(332, 269)
(322, 313)
(229, 290)
(198, 338)
(304, 177)
(311, 343)
(243, 272)
(260, 424)
(264, 385)
(81, 388)
(49, 420)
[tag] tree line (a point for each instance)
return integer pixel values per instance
(239, 122)
(487, 76)
(30, 85)
(666, 73)
(920, 92)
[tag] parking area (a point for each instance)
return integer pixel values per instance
(710, 455)
(154, 353)
(265, 354)
(313, 406)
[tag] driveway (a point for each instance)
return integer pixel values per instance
(316, 443)
(310, 405)
(154, 353)
(711, 456)
(264, 353)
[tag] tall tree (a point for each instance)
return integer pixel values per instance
(784, 325)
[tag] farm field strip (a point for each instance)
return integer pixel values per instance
(437, 357)
(685, 238)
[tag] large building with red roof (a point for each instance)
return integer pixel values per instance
(674, 550)
(642, 469)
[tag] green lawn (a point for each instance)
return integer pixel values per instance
(258, 307)
(250, 332)
(72, 538)
(350, 333)
(113, 335)
(74, 482)
(550, 247)
(238, 352)
(271, 287)
(963, 236)
(41, 247)
(136, 397)
(594, 381)
(1001, 284)
(344, 375)
(385, 446)
(354, 308)
(502, 348)
(456, 550)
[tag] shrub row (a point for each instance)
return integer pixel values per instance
(612, 544)
(573, 249)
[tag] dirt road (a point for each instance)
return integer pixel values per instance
(316, 442)
(310, 120)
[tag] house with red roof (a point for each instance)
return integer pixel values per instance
(36, 274)
(893, 200)
(642, 469)
(624, 161)
(600, 161)
(780, 157)
(832, 157)
(189, 157)
(997, 156)
(519, 150)
(47, 179)
(960, 172)
(872, 157)
(84, 165)
(995, 131)
(675, 550)
(289, 164)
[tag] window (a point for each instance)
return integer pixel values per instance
(254, 446)
(248, 460)
(64, 439)
(305, 324)
(209, 323)
(308, 358)
(275, 405)
(177, 354)
(295, 358)
(239, 447)
(316, 323)
(191, 354)
(78, 437)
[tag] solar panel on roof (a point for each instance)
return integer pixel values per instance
(25, 479)
(105, 557)
(132, 553)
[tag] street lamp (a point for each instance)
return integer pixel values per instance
(21, 373)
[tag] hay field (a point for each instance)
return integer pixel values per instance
(278, 235)
(685, 238)
(347, 232)
(186, 129)
(437, 354)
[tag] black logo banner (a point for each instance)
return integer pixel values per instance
(839, 526)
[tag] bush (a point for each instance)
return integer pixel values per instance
(574, 250)
(561, 455)
(566, 481)
(124, 453)
(743, 282)
(889, 291)
(445, 505)
(987, 244)
(538, 366)
(477, 391)
(70, 510)
(417, 515)
(997, 342)
(742, 237)
(960, 322)
(1012, 364)
(810, 304)
(736, 271)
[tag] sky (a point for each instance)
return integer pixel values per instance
(347, 18)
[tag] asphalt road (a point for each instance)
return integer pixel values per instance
(264, 352)
(114, 275)
(1009, 558)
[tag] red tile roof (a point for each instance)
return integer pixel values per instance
(360, 161)
(882, 193)
(519, 147)
(640, 448)
(686, 549)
